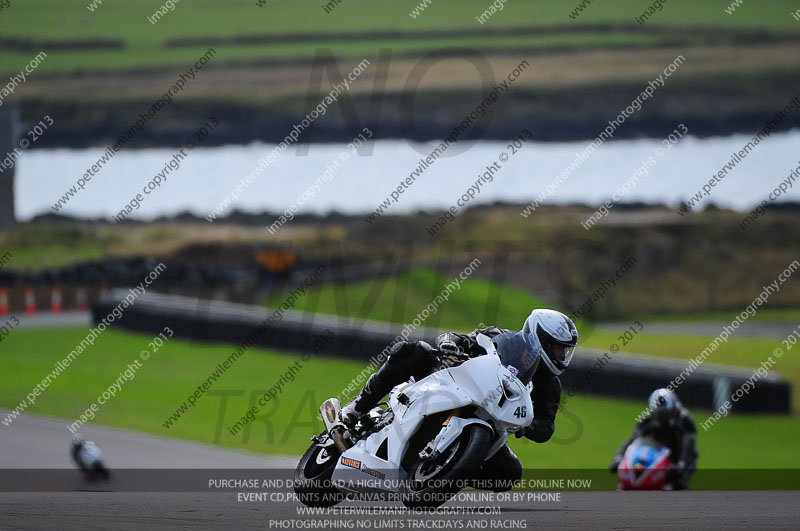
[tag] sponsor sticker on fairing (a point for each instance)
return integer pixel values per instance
(330, 412)
(352, 463)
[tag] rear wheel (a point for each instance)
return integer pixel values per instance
(432, 483)
(312, 477)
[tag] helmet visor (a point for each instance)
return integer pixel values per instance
(562, 353)
(558, 352)
(520, 353)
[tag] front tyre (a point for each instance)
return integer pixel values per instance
(430, 484)
(312, 478)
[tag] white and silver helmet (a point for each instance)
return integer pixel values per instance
(663, 400)
(557, 334)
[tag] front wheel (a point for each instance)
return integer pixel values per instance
(430, 484)
(312, 477)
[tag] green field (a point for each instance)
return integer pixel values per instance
(70, 20)
(588, 432)
(199, 18)
(185, 56)
(108, 63)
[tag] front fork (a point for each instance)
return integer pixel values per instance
(431, 452)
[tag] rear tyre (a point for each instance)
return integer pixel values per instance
(312, 478)
(429, 485)
(100, 471)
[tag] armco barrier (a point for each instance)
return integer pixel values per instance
(616, 375)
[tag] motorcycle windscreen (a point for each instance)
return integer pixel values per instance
(646, 452)
(519, 352)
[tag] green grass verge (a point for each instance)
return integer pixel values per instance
(401, 298)
(588, 431)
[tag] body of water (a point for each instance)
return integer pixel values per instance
(362, 182)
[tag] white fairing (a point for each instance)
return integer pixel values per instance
(503, 405)
(626, 470)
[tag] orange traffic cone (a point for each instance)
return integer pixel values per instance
(3, 301)
(81, 300)
(56, 299)
(30, 300)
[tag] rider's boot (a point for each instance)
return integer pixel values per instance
(405, 360)
(377, 386)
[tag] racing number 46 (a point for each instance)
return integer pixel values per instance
(521, 412)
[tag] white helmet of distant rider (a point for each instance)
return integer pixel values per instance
(663, 400)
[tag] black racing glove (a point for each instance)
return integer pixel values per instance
(449, 347)
(452, 354)
(539, 431)
(526, 432)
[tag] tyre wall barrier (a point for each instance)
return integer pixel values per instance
(591, 372)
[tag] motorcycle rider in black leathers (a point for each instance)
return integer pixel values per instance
(554, 331)
(669, 423)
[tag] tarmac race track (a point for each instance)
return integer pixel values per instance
(38, 442)
(576, 510)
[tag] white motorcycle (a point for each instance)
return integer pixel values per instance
(434, 435)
